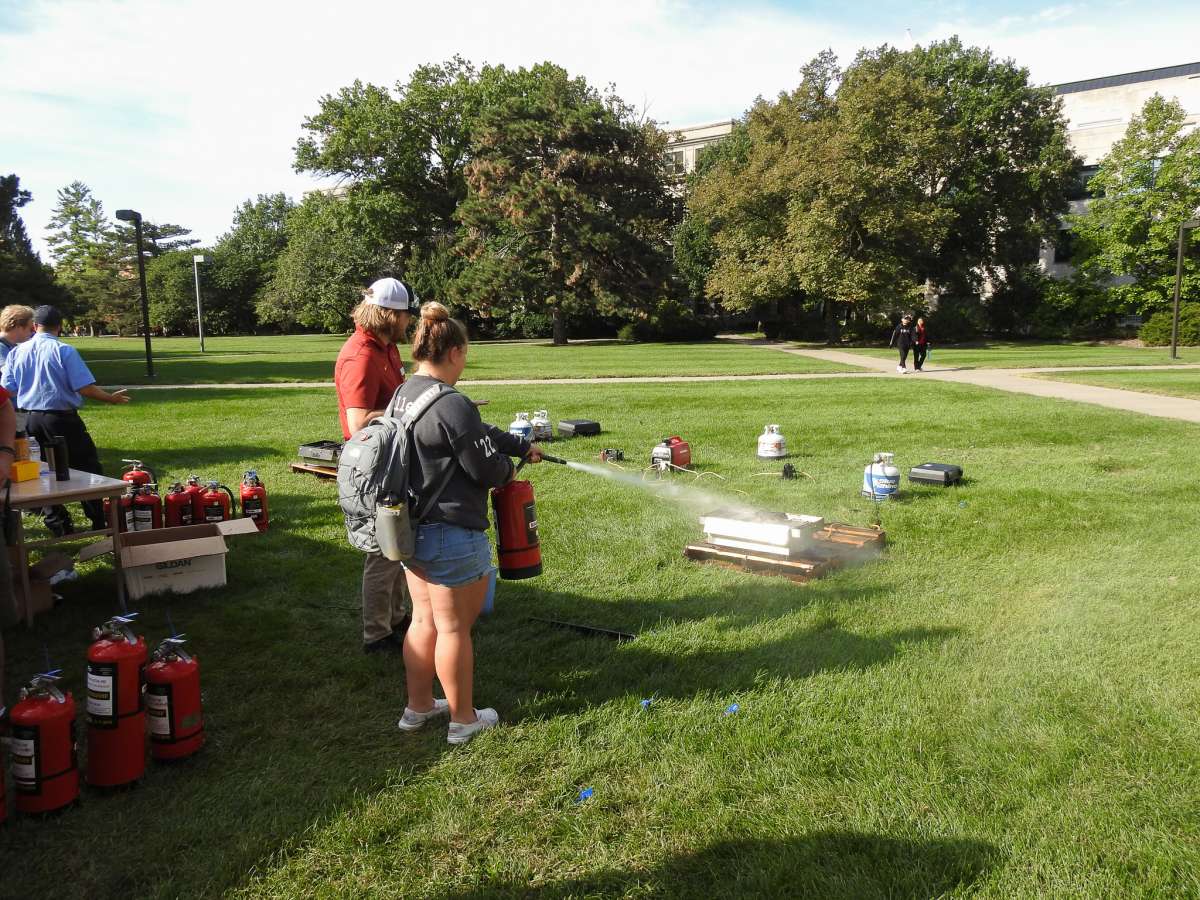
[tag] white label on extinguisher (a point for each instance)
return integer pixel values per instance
(252, 508)
(100, 689)
(158, 713)
(24, 759)
(143, 519)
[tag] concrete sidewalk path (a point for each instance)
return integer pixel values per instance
(1017, 381)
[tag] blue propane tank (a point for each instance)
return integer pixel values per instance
(881, 479)
(521, 426)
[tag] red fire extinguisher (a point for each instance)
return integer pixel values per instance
(137, 474)
(124, 509)
(116, 672)
(178, 506)
(44, 758)
(254, 500)
(517, 547)
(147, 509)
(214, 506)
(173, 712)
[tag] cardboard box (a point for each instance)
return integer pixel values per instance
(176, 560)
(41, 595)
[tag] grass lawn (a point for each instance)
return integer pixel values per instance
(1005, 355)
(1003, 706)
(1185, 383)
(311, 358)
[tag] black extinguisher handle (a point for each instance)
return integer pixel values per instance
(233, 507)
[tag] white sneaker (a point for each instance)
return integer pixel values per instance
(413, 720)
(459, 733)
(902, 370)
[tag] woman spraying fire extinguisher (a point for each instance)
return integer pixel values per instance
(458, 457)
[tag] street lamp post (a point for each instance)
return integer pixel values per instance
(196, 260)
(1184, 228)
(130, 215)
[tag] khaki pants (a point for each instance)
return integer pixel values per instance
(384, 597)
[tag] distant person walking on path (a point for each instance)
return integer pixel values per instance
(920, 345)
(903, 338)
(50, 380)
(458, 458)
(368, 371)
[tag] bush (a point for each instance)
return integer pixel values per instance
(958, 317)
(670, 320)
(1078, 308)
(1157, 332)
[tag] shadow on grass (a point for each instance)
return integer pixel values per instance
(300, 723)
(206, 371)
(827, 864)
(592, 671)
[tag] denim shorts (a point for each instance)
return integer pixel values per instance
(451, 555)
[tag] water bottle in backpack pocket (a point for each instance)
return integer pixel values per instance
(393, 528)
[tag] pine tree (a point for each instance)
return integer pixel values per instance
(23, 277)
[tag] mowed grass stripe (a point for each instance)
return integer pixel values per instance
(1003, 706)
(1173, 384)
(311, 358)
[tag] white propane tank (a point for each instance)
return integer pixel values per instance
(771, 444)
(881, 479)
(542, 431)
(521, 426)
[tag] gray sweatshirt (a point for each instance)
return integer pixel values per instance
(452, 434)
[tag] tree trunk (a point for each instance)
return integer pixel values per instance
(560, 327)
(832, 332)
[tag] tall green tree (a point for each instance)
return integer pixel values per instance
(935, 167)
(334, 248)
(244, 261)
(170, 288)
(398, 157)
(90, 263)
(1146, 186)
(23, 277)
(156, 239)
(567, 206)
(78, 227)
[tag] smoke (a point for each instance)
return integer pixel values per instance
(669, 488)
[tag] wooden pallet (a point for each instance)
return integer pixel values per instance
(323, 472)
(838, 545)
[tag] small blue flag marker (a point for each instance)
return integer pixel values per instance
(731, 709)
(585, 794)
(646, 704)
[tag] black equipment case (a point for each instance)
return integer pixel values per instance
(321, 451)
(580, 427)
(935, 473)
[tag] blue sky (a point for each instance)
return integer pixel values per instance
(185, 108)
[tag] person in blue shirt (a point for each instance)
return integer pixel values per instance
(49, 380)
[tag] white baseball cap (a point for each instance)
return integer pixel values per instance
(392, 294)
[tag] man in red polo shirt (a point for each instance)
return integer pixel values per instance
(367, 373)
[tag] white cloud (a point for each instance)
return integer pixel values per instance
(183, 109)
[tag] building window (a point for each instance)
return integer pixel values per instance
(1064, 247)
(676, 162)
(1079, 190)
